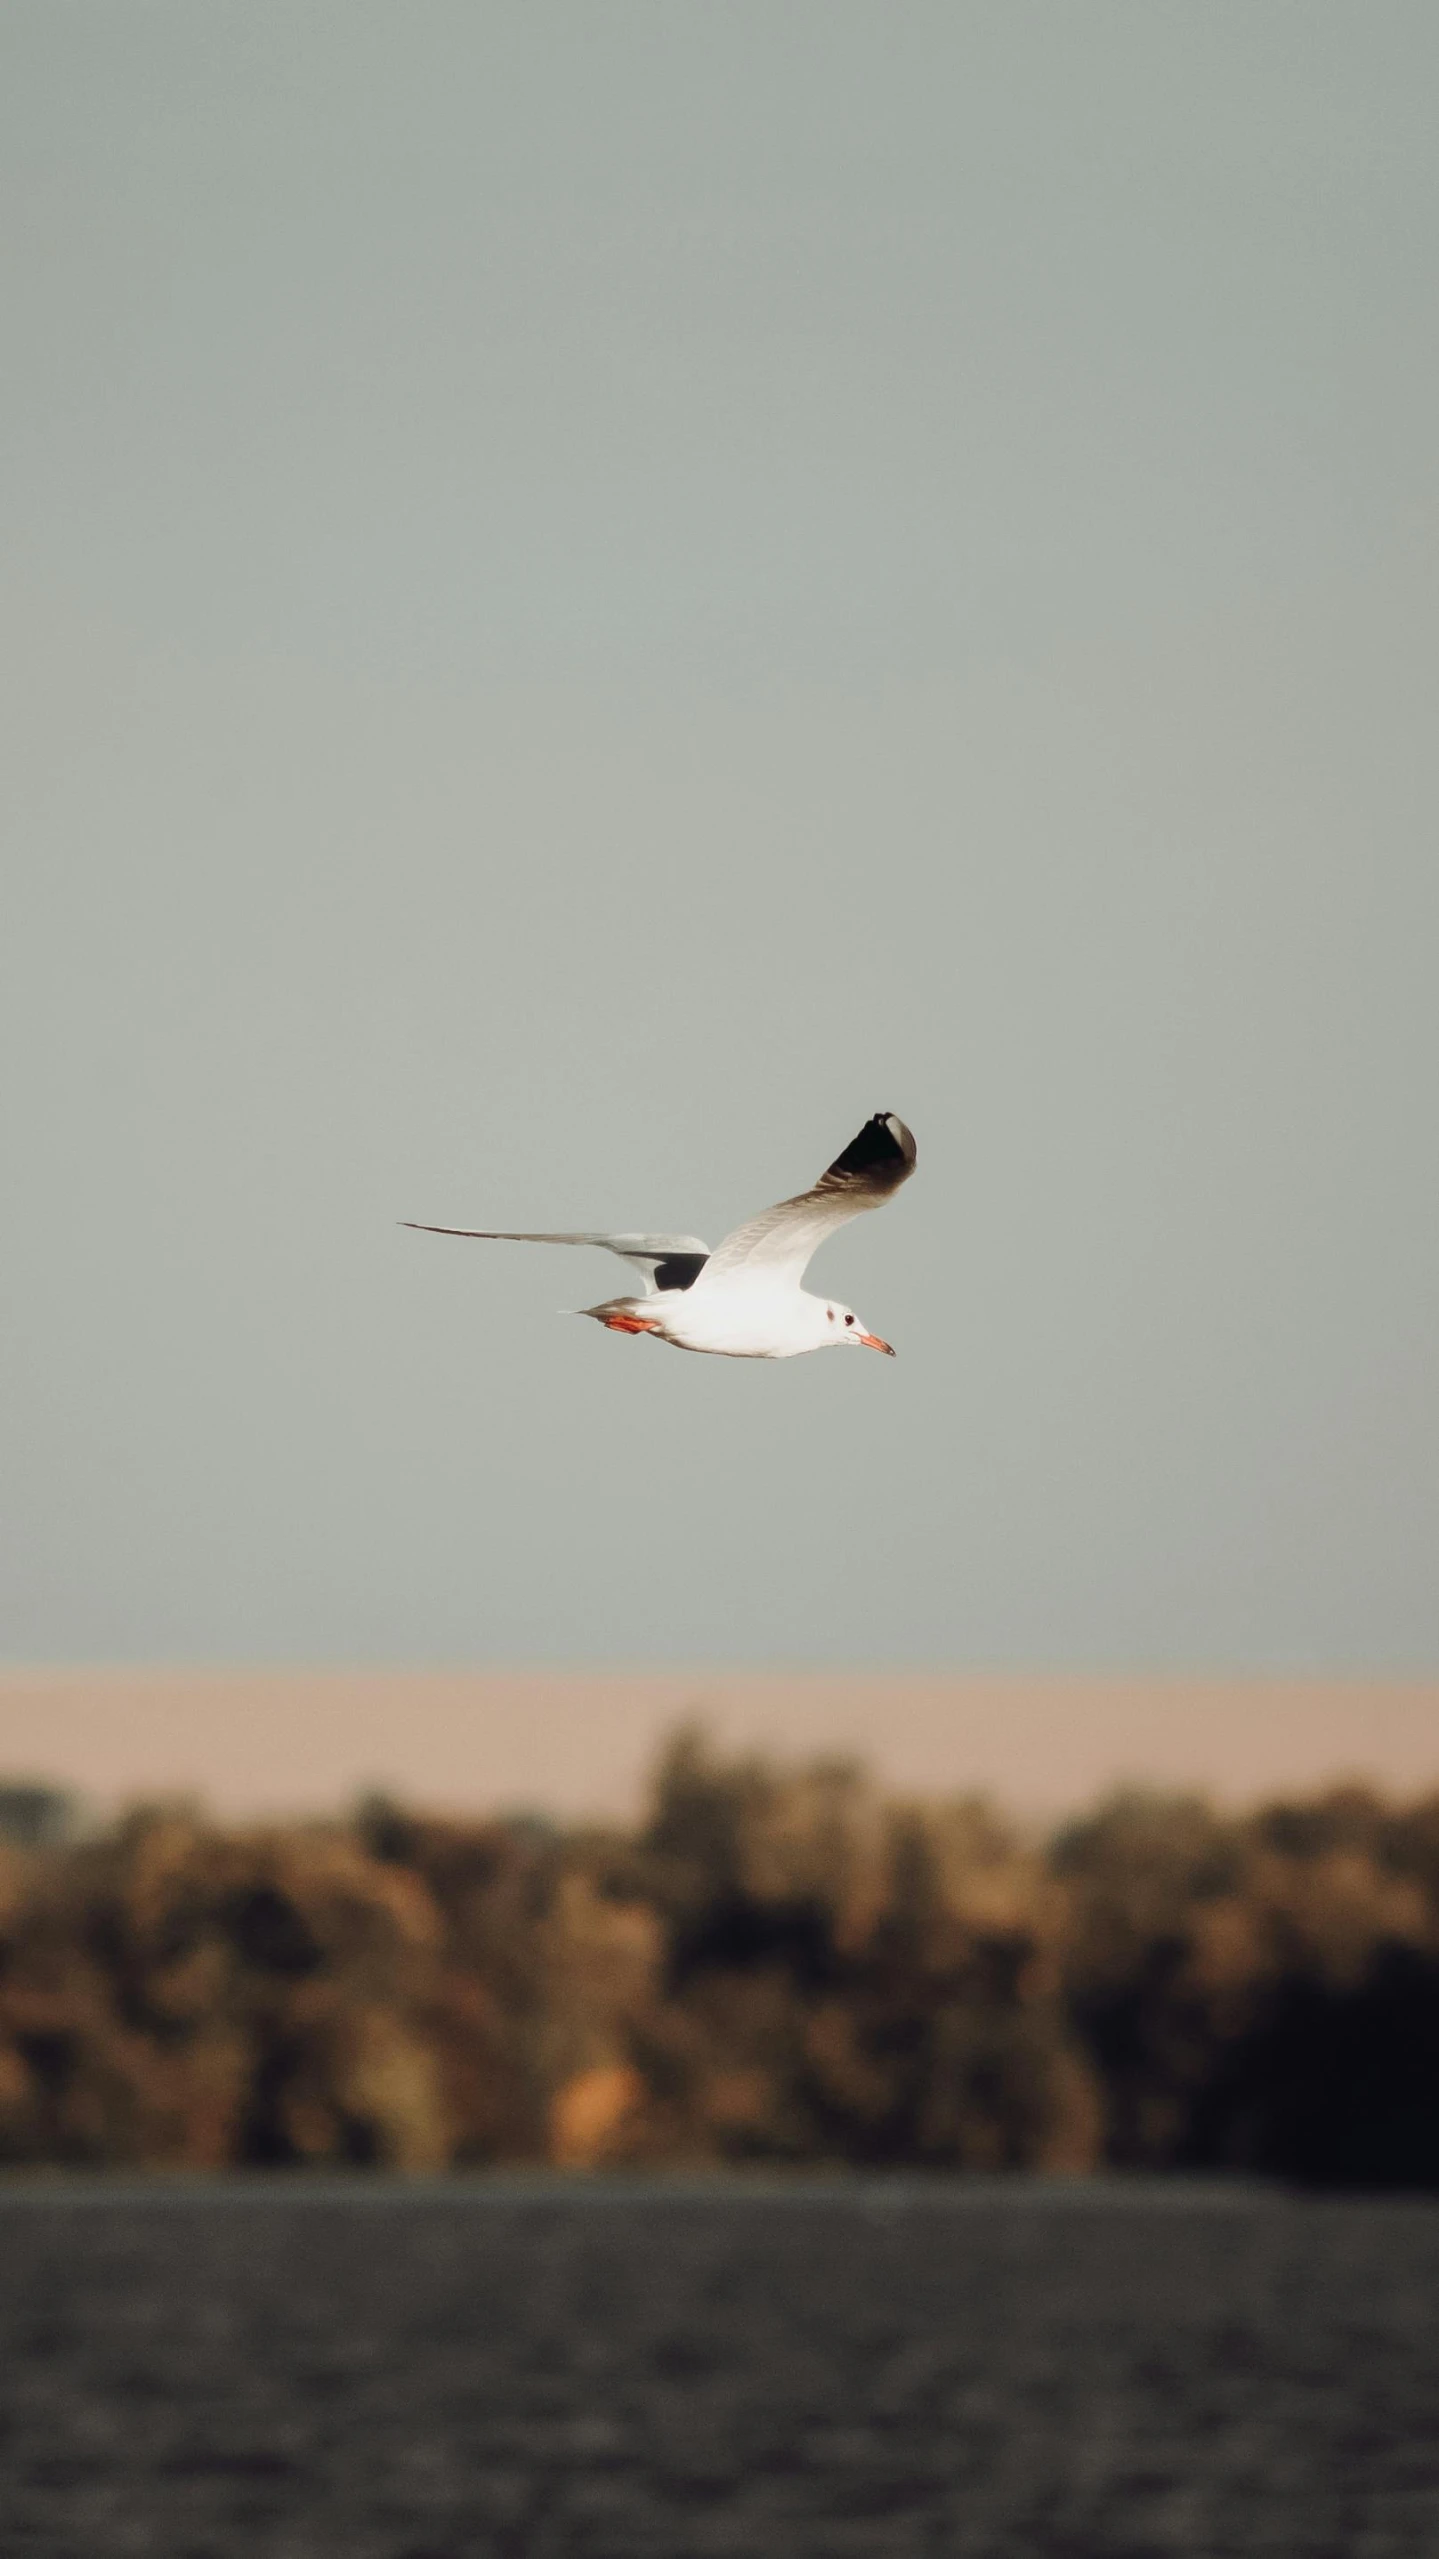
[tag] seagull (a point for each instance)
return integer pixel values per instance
(744, 1299)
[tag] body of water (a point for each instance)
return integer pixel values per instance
(866, 2370)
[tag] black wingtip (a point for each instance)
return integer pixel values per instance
(883, 1144)
(900, 1137)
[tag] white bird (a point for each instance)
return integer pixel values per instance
(744, 1299)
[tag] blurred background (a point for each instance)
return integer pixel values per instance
(605, 1957)
(592, 596)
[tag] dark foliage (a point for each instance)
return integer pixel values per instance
(780, 1966)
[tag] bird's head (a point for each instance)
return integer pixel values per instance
(841, 1325)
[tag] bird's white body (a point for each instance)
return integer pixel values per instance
(744, 1300)
(760, 1318)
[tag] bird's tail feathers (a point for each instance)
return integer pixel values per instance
(610, 1307)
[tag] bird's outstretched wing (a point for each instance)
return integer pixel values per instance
(663, 1261)
(781, 1240)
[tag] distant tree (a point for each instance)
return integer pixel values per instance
(776, 1964)
(35, 1816)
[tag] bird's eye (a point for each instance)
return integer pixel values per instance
(849, 1319)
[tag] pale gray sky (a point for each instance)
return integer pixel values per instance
(592, 594)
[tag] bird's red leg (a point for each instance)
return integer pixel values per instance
(629, 1324)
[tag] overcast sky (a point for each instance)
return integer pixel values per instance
(592, 594)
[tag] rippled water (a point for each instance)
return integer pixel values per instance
(445, 2372)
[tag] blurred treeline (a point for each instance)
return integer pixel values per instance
(775, 1966)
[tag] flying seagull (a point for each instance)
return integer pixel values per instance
(744, 1299)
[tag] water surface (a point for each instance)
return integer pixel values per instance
(867, 2370)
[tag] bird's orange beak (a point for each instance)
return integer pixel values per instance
(872, 1342)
